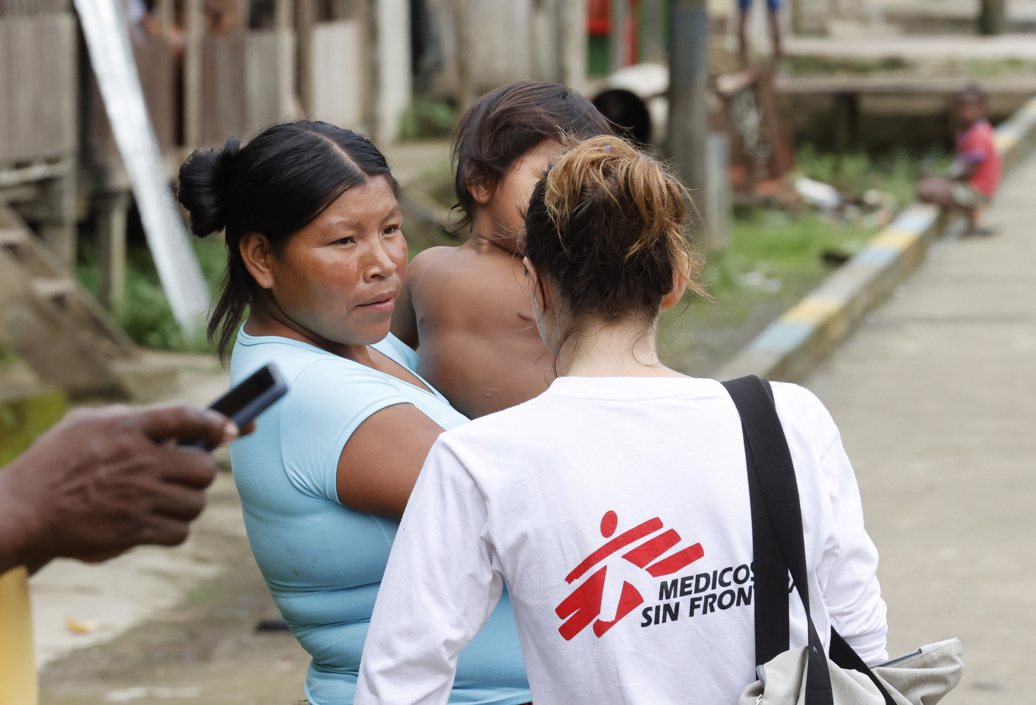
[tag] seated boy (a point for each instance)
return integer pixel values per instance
(469, 307)
(975, 174)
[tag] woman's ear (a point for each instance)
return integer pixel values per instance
(536, 290)
(677, 292)
(480, 189)
(258, 258)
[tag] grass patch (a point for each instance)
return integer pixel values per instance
(774, 259)
(806, 65)
(856, 172)
(781, 248)
(973, 69)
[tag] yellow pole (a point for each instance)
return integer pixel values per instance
(17, 652)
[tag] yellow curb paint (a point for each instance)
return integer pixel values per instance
(811, 309)
(898, 239)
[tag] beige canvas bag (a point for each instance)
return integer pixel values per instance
(807, 675)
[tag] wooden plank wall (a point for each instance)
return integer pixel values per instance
(24, 8)
(157, 70)
(337, 73)
(37, 82)
(240, 87)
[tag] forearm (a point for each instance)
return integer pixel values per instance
(964, 166)
(436, 593)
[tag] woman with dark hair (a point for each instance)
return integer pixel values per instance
(615, 505)
(316, 256)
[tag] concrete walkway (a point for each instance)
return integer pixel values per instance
(936, 398)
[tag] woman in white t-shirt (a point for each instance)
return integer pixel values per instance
(614, 505)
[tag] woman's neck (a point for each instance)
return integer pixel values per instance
(485, 232)
(612, 349)
(266, 320)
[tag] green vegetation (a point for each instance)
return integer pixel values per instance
(773, 260)
(428, 119)
(805, 65)
(856, 172)
(973, 69)
(146, 316)
(771, 249)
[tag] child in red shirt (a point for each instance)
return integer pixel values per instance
(975, 174)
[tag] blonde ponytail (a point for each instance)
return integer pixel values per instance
(607, 222)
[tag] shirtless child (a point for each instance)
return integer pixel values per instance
(468, 307)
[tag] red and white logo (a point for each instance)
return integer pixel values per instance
(648, 541)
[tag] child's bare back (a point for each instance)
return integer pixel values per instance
(469, 307)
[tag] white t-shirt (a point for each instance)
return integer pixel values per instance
(617, 511)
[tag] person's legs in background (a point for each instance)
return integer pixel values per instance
(773, 8)
(773, 11)
(743, 7)
(954, 195)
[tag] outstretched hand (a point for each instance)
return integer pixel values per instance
(105, 480)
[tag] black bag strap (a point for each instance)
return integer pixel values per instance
(773, 492)
(775, 489)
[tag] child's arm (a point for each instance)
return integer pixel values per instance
(973, 152)
(404, 320)
(964, 165)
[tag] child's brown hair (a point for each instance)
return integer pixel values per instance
(506, 123)
(607, 226)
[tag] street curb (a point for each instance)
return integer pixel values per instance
(790, 347)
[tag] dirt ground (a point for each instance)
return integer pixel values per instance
(203, 649)
(168, 626)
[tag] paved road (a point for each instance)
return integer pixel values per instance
(936, 399)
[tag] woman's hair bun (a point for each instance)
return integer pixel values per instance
(204, 184)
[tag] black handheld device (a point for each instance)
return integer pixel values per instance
(249, 398)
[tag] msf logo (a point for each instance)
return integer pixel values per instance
(648, 542)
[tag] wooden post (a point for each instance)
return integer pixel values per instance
(235, 16)
(192, 73)
(652, 47)
(111, 211)
(992, 17)
(462, 44)
(570, 41)
(284, 15)
(305, 15)
(57, 227)
(373, 36)
(283, 24)
(688, 27)
(688, 71)
(164, 15)
(846, 121)
(617, 38)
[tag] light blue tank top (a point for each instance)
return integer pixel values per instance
(322, 561)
